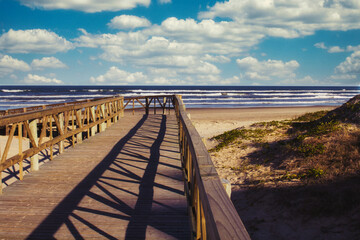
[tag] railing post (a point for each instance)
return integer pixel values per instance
(61, 123)
(154, 105)
(108, 113)
(147, 106)
(164, 106)
(34, 160)
(93, 129)
(79, 136)
(102, 126)
(122, 107)
(133, 106)
(115, 109)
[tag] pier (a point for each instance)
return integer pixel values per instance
(111, 168)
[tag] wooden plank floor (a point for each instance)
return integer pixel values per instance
(124, 183)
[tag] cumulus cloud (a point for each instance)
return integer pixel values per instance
(117, 76)
(47, 62)
(351, 65)
(343, 77)
(333, 49)
(267, 70)
(9, 64)
(33, 41)
(89, 6)
(36, 79)
(320, 45)
(128, 22)
(146, 51)
(289, 19)
(349, 70)
(353, 48)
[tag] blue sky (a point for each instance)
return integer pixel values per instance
(180, 42)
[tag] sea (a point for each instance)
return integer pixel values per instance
(193, 96)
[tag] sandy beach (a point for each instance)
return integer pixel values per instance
(213, 121)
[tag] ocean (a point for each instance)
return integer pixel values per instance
(193, 96)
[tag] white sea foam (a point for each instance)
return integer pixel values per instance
(12, 90)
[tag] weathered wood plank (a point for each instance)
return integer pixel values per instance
(125, 182)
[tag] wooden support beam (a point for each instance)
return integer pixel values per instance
(102, 126)
(21, 169)
(73, 127)
(133, 106)
(59, 121)
(140, 103)
(79, 136)
(43, 129)
(147, 106)
(154, 105)
(34, 160)
(127, 102)
(51, 138)
(92, 113)
(122, 107)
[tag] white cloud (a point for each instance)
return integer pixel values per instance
(170, 57)
(343, 77)
(219, 59)
(162, 81)
(235, 80)
(164, 1)
(320, 45)
(335, 49)
(306, 81)
(36, 79)
(290, 18)
(47, 62)
(351, 65)
(9, 64)
(33, 41)
(349, 70)
(90, 6)
(117, 76)
(128, 22)
(353, 48)
(267, 70)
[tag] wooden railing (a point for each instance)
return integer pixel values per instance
(46, 127)
(147, 100)
(213, 214)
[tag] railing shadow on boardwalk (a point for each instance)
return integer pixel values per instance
(12, 173)
(139, 216)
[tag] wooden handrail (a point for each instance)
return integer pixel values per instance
(214, 216)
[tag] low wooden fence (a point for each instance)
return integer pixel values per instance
(212, 212)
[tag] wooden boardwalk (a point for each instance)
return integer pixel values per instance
(123, 183)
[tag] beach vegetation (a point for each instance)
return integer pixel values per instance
(312, 116)
(238, 135)
(317, 146)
